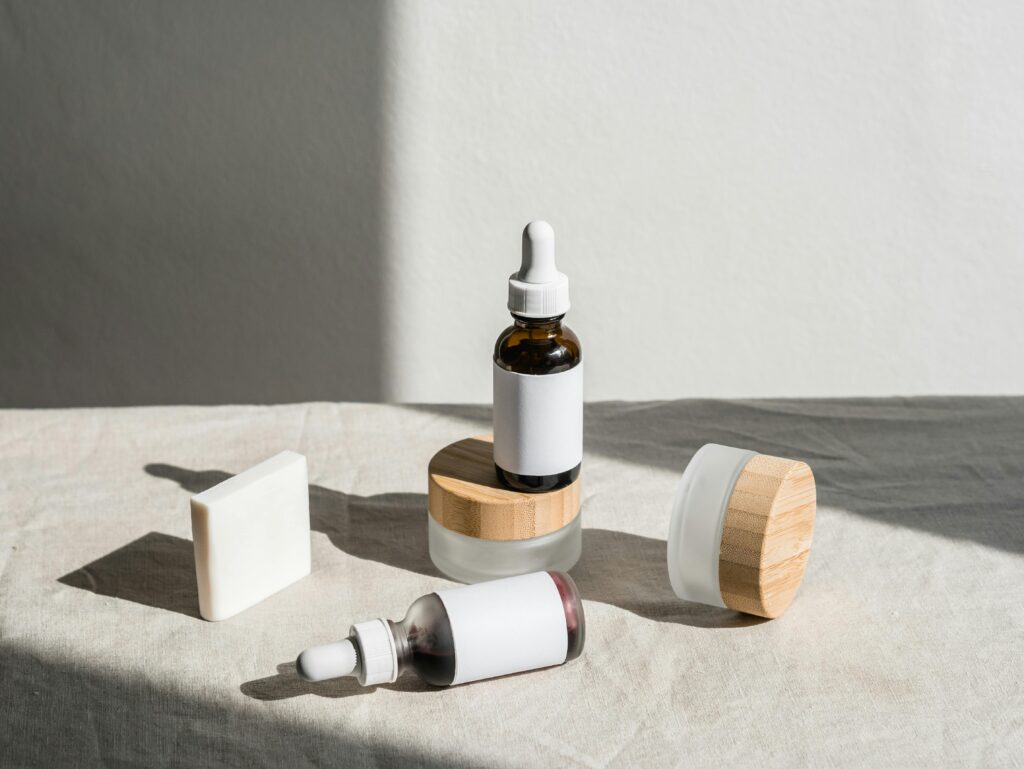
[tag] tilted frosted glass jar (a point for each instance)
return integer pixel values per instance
(741, 530)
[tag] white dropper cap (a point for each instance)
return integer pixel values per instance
(319, 663)
(538, 289)
(368, 653)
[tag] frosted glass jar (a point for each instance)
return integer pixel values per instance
(470, 559)
(479, 530)
(741, 530)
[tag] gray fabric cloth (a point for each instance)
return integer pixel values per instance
(903, 647)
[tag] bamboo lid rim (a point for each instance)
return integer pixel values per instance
(465, 496)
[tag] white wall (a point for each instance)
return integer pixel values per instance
(750, 199)
(257, 201)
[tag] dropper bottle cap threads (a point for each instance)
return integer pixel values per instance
(538, 289)
(378, 655)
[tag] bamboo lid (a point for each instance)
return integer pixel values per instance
(766, 537)
(464, 495)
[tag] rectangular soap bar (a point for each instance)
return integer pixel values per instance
(251, 535)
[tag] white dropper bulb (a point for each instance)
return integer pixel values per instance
(328, 661)
(538, 253)
(538, 290)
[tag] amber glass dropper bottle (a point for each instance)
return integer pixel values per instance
(538, 376)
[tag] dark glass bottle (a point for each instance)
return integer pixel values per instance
(504, 626)
(575, 622)
(538, 376)
(537, 346)
(423, 641)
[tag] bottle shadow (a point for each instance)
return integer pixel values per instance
(288, 684)
(625, 570)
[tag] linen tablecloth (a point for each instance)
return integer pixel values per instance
(904, 647)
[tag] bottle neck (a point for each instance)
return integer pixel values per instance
(550, 326)
(403, 650)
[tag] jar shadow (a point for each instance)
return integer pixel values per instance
(631, 572)
(617, 568)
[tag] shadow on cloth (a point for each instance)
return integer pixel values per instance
(124, 718)
(616, 568)
(288, 684)
(155, 570)
(387, 528)
(952, 466)
(158, 570)
(631, 572)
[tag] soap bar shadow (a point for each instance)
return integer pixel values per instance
(288, 684)
(156, 570)
(387, 528)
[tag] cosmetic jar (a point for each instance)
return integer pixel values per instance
(741, 530)
(479, 530)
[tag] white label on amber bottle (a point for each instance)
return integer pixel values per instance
(538, 421)
(506, 626)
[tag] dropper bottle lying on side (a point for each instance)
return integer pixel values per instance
(462, 634)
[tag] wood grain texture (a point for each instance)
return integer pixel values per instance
(464, 495)
(767, 535)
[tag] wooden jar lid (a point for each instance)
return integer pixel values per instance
(767, 535)
(464, 496)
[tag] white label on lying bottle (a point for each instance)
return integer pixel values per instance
(538, 421)
(506, 626)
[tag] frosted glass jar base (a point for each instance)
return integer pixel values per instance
(469, 559)
(698, 515)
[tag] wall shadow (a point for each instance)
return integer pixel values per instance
(952, 466)
(126, 720)
(616, 568)
(193, 207)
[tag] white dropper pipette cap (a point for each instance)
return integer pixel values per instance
(318, 663)
(368, 653)
(538, 289)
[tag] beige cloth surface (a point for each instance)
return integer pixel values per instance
(903, 648)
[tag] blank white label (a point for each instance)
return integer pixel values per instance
(538, 421)
(506, 626)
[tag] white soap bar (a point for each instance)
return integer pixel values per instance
(251, 535)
